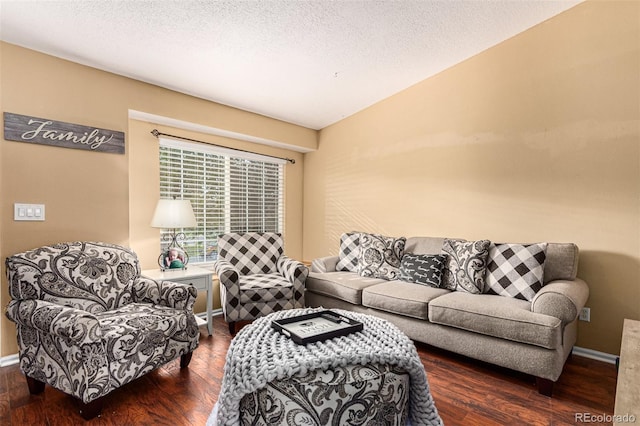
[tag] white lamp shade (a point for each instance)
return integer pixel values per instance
(173, 214)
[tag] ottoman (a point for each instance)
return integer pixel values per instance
(371, 394)
(369, 377)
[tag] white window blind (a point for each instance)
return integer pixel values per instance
(229, 192)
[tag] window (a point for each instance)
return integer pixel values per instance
(229, 192)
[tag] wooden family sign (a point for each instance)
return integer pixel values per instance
(23, 128)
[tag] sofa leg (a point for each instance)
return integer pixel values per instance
(185, 359)
(232, 328)
(35, 386)
(545, 386)
(91, 409)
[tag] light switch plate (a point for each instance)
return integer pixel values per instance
(28, 212)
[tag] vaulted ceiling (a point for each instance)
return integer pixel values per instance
(310, 63)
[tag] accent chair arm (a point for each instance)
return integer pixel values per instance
(292, 269)
(227, 273)
(165, 293)
(562, 299)
(325, 264)
(296, 273)
(74, 324)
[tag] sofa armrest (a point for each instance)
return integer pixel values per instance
(228, 275)
(324, 264)
(562, 299)
(165, 293)
(63, 321)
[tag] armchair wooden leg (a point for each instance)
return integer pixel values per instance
(232, 328)
(91, 409)
(35, 386)
(185, 359)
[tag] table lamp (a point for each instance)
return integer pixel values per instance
(173, 214)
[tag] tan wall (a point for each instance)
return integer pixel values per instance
(107, 197)
(536, 139)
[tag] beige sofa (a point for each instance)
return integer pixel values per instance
(534, 337)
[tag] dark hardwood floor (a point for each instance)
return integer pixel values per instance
(466, 392)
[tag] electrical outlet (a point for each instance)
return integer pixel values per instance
(585, 314)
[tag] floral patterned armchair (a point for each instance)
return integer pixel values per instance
(88, 323)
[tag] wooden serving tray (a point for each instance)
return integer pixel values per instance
(317, 326)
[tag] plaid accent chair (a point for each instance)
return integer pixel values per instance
(256, 278)
(88, 323)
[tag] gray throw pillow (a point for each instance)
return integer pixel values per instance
(423, 269)
(380, 256)
(466, 265)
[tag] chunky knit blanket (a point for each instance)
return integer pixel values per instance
(259, 354)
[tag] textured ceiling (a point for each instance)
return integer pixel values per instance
(306, 62)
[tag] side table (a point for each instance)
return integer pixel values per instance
(200, 278)
(627, 405)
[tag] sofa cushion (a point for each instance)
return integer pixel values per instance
(264, 288)
(515, 270)
(345, 286)
(402, 298)
(501, 317)
(466, 265)
(424, 245)
(380, 256)
(425, 269)
(561, 262)
(349, 250)
(141, 331)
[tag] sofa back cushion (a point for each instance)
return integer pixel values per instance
(91, 276)
(424, 245)
(561, 262)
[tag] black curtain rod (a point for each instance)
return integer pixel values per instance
(157, 134)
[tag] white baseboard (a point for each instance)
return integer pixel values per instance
(214, 313)
(6, 361)
(597, 355)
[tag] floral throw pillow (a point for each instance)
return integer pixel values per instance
(466, 265)
(380, 256)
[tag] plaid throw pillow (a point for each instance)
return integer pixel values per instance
(251, 253)
(516, 270)
(349, 251)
